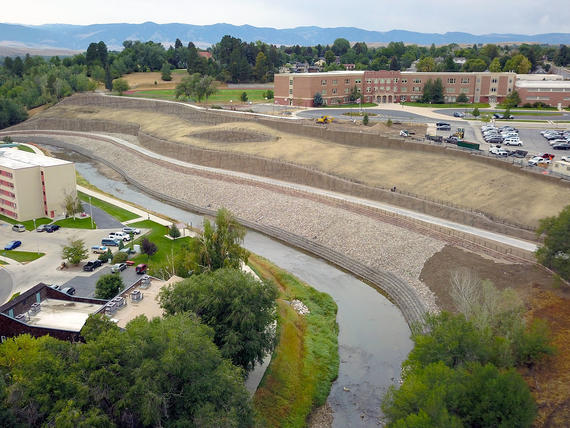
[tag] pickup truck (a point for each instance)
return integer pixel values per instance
(99, 249)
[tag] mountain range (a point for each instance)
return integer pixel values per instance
(78, 37)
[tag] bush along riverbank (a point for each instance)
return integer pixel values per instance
(305, 362)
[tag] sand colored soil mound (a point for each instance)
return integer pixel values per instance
(232, 136)
(518, 198)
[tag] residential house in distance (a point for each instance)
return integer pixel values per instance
(34, 186)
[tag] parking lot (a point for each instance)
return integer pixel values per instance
(85, 285)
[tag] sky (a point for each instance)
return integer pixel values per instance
(429, 16)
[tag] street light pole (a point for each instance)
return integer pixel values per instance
(91, 211)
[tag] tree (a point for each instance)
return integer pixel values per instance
(186, 87)
(426, 64)
(518, 64)
(495, 66)
(236, 305)
(476, 112)
(269, 94)
(512, 100)
(166, 74)
(318, 100)
(108, 286)
(243, 97)
(120, 86)
(261, 67)
(196, 86)
(204, 88)
(365, 119)
(437, 92)
(220, 245)
(173, 232)
(462, 98)
(555, 252)
(394, 63)
(75, 251)
(149, 248)
(474, 64)
(330, 57)
(340, 46)
(72, 205)
(120, 257)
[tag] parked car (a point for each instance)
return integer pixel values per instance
(495, 140)
(129, 230)
(118, 267)
(41, 228)
(110, 242)
(119, 235)
(452, 140)
(404, 133)
(52, 228)
(99, 249)
(561, 146)
(90, 266)
(458, 114)
(68, 290)
(141, 269)
(443, 127)
(513, 142)
(538, 160)
(19, 228)
(557, 141)
(12, 245)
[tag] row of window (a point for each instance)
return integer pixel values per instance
(7, 193)
(9, 203)
(8, 212)
(6, 183)
(5, 173)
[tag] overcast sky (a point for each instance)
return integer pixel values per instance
(435, 16)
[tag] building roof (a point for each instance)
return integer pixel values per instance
(540, 77)
(19, 159)
(62, 314)
(324, 74)
(550, 84)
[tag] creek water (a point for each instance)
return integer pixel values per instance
(373, 335)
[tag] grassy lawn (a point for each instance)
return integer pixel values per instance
(350, 105)
(120, 214)
(76, 223)
(28, 223)
(222, 96)
(22, 256)
(305, 361)
(26, 149)
(166, 247)
(2, 262)
(464, 106)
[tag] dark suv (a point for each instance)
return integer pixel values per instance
(51, 228)
(90, 266)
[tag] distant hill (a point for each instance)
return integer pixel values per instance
(78, 37)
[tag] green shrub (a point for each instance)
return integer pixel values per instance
(120, 257)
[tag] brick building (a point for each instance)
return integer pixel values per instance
(34, 186)
(553, 93)
(389, 86)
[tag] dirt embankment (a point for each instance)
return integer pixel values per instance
(460, 181)
(550, 379)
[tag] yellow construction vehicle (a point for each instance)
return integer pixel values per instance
(460, 133)
(324, 119)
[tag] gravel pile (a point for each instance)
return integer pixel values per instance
(379, 245)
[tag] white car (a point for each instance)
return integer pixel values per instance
(120, 235)
(537, 159)
(513, 142)
(129, 230)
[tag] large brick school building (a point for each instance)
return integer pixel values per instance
(389, 86)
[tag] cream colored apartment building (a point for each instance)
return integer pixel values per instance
(34, 186)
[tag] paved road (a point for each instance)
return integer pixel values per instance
(381, 114)
(101, 218)
(6, 285)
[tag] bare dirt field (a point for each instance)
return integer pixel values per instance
(145, 81)
(467, 183)
(550, 380)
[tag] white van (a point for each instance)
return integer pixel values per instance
(512, 141)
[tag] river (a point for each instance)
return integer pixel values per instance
(373, 335)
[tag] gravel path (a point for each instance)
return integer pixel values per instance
(379, 245)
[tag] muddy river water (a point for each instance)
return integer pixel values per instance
(373, 335)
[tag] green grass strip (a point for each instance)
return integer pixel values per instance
(22, 256)
(305, 362)
(28, 223)
(76, 223)
(120, 214)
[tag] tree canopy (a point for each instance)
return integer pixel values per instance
(74, 251)
(237, 306)
(555, 253)
(155, 373)
(108, 286)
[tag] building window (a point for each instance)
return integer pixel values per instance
(464, 90)
(404, 80)
(403, 98)
(403, 89)
(368, 89)
(369, 81)
(381, 80)
(324, 92)
(395, 80)
(375, 81)
(387, 88)
(290, 91)
(493, 89)
(346, 90)
(451, 80)
(417, 80)
(290, 81)
(323, 82)
(388, 80)
(417, 89)
(357, 81)
(334, 91)
(334, 82)
(465, 80)
(347, 81)
(494, 80)
(449, 90)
